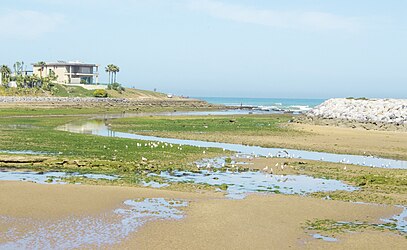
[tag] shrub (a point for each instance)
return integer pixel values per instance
(100, 93)
(116, 86)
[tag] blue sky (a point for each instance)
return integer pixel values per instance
(242, 48)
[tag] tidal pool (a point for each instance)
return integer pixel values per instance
(324, 238)
(240, 184)
(48, 177)
(89, 232)
(400, 220)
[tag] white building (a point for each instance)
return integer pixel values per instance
(69, 72)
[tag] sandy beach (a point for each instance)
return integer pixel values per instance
(259, 221)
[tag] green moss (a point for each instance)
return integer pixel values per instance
(223, 187)
(334, 227)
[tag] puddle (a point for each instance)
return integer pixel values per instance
(399, 220)
(324, 238)
(89, 232)
(48, 177)
(25, 152)
(154, 184)
(240, 184)
(98, 127)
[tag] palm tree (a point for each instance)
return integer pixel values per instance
(5, 73)
(107, 69)
(115, 70)
(112, 70)
(41, 65)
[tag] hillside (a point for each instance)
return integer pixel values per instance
(77, 91)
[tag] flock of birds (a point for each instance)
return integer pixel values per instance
(268, 169)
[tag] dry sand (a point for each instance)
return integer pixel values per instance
(259, 221)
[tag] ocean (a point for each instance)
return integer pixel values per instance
(267, 104)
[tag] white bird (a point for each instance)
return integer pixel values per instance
(266, 169)
(344, 168)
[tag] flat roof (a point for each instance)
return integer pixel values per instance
(67, 63)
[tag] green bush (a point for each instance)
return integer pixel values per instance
(100, 93)
(116, 86)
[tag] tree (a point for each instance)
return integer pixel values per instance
(115, 70)
(112, 70)
(41, 64)
(107, 69)
(5, 73)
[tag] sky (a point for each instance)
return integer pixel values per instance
(240, 48)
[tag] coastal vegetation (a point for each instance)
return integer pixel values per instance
(100, 93)
(24, 80)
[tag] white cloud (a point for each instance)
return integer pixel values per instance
(28, 24)
(301, 20)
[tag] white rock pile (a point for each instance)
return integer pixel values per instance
(363, 110)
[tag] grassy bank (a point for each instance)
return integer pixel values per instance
(61, 90)
(271, 131)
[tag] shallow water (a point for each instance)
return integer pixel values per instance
(24, 152)
(240, 184)
(98, 127)
(85, 232)
(324, 238)
(400, 220)
(48, 177)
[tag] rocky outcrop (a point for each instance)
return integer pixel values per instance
(392, 111)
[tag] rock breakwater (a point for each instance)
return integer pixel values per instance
(393, 111)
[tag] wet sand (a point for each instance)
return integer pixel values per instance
(259, 221)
